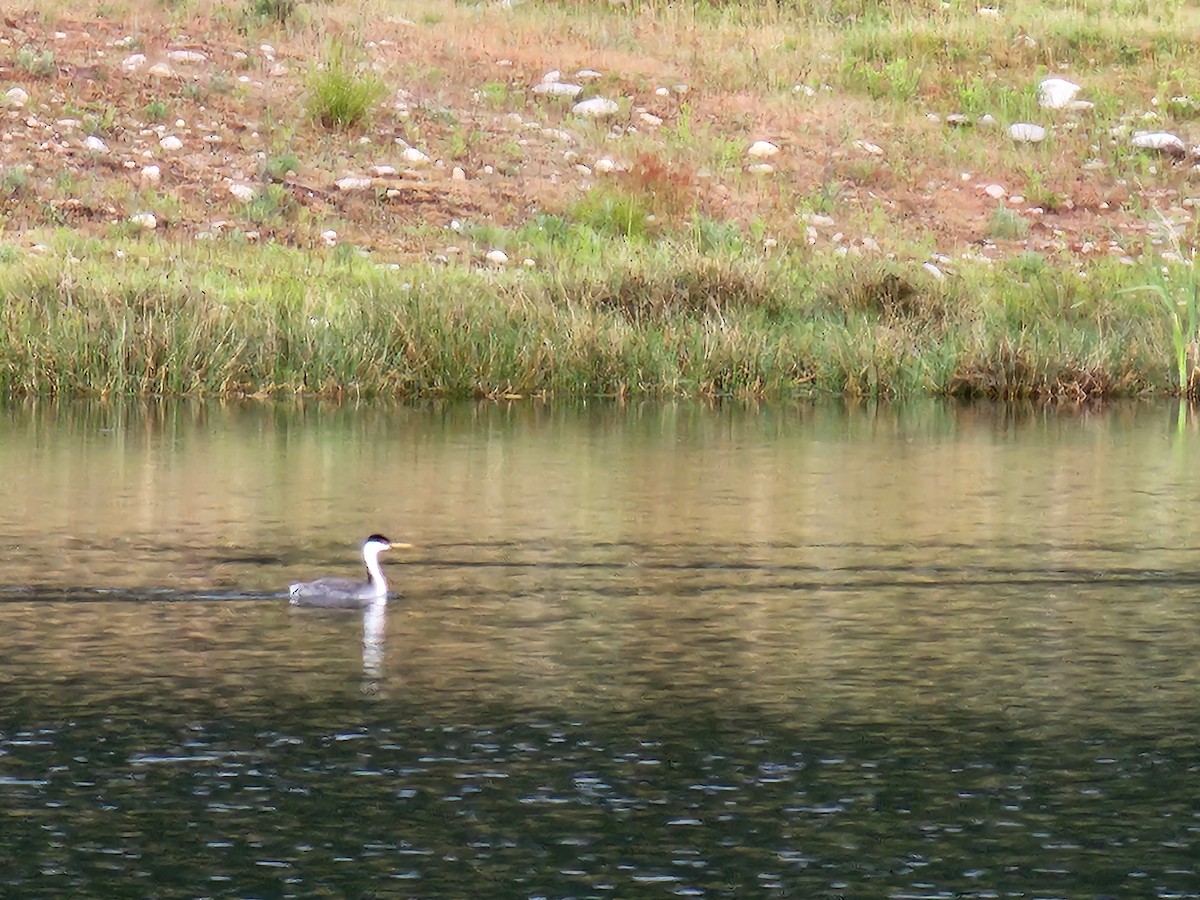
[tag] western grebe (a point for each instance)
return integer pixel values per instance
(346, 592)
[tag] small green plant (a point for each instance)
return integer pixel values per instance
(279, 11)
(613, 212)
(273, 204)
(1177, 288)
(495, 94)
(14, 181)
(342, 92)
(100, 123)
(36, 62)
(155, 111)
(1007, 225)
(9, 253)
(278, 167)
(897, 79)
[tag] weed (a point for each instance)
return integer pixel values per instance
(1007, 225)
(155, 111)
(270, 205)
(14, 181)
(279, 11)
(39, 63)
(277, 168)
(342, 92)
(613, 212)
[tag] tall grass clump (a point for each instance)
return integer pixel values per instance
(1176, 287)
(342, 91)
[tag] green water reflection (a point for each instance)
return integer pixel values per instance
(657, 651)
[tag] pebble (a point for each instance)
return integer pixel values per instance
(414, 157)
(762, 150)
(995, 191)
(650, 119)
(186, 56)
(144, 220)
(458, 174)
(16, 97)
(604, 166)
(161, 70)
(329, 238)
(868, 147)
(934, 271)
(761, 169)
(353, 183)
(95, 144)
(596, 108)
(151, 174)
(171, 143)
(242, 192)
(1026, 133)
(1057, 93)
(588, 75)
(1162, 141)
(133, 63)
(382, 171)
(497, 257)
(558, 89)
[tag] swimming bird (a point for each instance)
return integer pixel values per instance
(347, 592)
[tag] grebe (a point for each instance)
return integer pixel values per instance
(346, 592)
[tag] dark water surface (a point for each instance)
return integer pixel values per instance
(653, 651)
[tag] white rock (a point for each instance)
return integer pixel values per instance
(762, 150)
(818, 221)
(604, 166)
(650, 119)
(94, 144)
(458, 174)
(995, 191)
(1162, 141)
(551, 76)
(497, 257)
(582, 169)
(662, 92)
(267, 50)
(1026, 133)
(382, 171)
(212, 139)
(186, 56)
(987, 120)
(588, 75)
(988, 12)
(596, 108)
(558, 89)
(242, 192)
(16, 98)
(161, 70)
(414, 157)
(958, 120)
(1057, 93)
(133, 63)
(868, 147)
(151, 174)
(933, 270)
(806, 89)
(144, 220)
(329, 238)
(760, 169)
(353, 183)
(171, 143)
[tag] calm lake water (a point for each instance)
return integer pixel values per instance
(638, 651)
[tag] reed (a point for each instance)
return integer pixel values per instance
(648, 320)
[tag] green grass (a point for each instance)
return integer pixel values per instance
(683, 318)
(343, 91)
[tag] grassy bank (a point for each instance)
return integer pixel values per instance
(381, 198)
(655, 319)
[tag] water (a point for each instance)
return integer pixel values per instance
(646, 651)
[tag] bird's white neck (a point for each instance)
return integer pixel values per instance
(375, 571)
